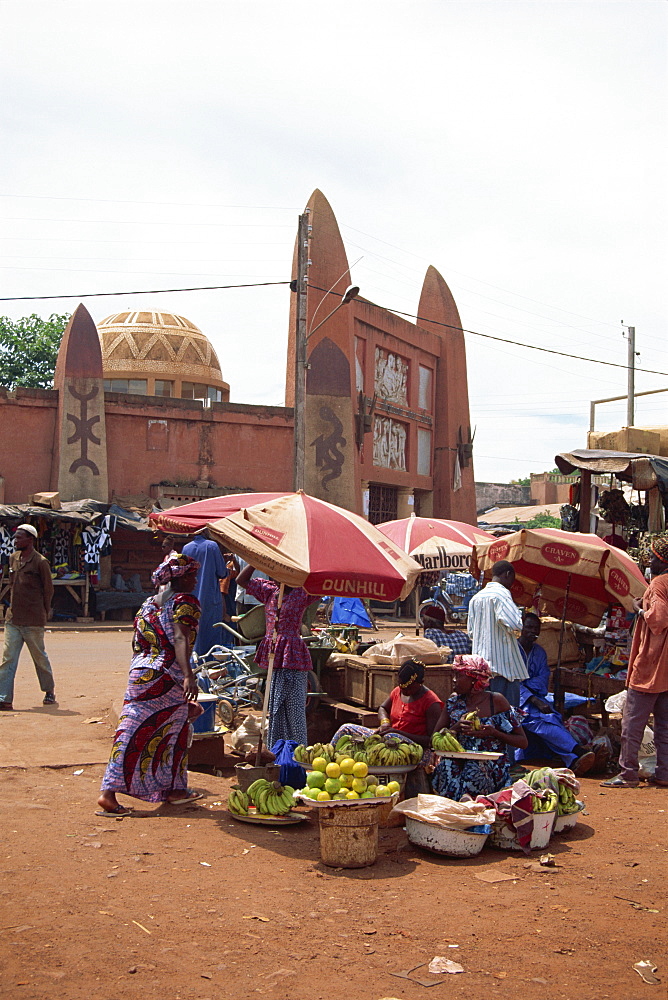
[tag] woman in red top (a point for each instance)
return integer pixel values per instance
(412, 710)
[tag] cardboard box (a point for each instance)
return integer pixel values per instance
(51, 500)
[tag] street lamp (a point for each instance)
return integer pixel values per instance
(301, 340)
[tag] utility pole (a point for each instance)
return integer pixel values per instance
(631, 388)
(300, 352)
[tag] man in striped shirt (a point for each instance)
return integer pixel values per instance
(493, 618)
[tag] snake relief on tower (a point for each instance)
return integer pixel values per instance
(328, 458)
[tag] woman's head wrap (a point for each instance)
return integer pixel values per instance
(172, 568)
(410, 672)
(659, 546)
(475, 667)
(434, 611)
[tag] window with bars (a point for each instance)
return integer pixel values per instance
(382, 503)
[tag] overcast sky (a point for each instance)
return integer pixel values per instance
(520, 148)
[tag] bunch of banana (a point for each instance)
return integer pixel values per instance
(237, 802)
(444, 740)
(546, 804)
(306, 755)
(473, 719)
(270, 797)
(567, 802)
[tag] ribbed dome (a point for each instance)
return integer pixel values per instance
(158, 345)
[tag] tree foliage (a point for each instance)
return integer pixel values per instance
(29, 349)
(544, 520)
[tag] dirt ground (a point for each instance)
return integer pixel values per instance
(183, 902)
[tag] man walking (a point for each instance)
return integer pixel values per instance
(647, 677)
(493, 618)
(29, 611)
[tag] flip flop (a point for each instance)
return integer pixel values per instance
(618, 782)
(115, 813)
(189, 797)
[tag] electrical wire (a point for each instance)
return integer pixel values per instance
(146, 291)
(503, 340)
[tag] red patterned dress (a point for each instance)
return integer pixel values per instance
(149, 757)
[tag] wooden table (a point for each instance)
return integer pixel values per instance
(589, 685)
(81, 585)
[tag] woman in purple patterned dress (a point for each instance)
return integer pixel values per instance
(292, 660)
(149, 757)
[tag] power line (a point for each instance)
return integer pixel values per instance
(489, 336)
(146, 291)
(127, 201)
(166, 222)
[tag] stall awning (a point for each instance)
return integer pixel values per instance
(643, 471)
(76, 511)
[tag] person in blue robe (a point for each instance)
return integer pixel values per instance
(544, 728)
(212, 570)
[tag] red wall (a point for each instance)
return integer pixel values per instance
(27, 427)
(232, 444)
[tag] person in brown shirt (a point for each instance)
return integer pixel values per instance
(29, 611)
(647, 677)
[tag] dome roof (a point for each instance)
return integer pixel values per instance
(158, 345)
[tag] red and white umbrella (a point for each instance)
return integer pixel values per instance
(565, 573)
(437, 544)
(305, 542)
(193, 516)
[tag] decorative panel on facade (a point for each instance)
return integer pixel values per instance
(391, 378)
(389, 443)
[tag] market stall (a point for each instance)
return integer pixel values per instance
(648, 474)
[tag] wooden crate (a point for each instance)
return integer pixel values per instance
(383, 679)
(356, 681)
(333, 681)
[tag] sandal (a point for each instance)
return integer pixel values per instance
(619, 782)
(656, 781)
(121, 811)
(189, 796)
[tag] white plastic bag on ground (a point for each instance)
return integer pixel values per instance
(446, 813)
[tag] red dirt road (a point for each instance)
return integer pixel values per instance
(183, 902)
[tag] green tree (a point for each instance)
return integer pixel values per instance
(543, 520)
(29, 349)
(520, 482)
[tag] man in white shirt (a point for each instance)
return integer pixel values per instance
(492, 621)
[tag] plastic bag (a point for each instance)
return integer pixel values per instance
(616, 702)
(401, 648)
(291, 774)
(446, 813)
(245, 737)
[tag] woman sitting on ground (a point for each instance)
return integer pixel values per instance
(499, 729)
(411, 709)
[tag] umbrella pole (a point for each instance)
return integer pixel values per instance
(270, 672)
(417, 607)
(557, 674)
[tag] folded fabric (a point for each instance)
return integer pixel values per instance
(514, 805)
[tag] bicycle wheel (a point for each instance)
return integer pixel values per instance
(225, 712)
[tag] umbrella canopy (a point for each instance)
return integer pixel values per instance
(193, 516)
(305, 542)
(548, 562)
(435, 543)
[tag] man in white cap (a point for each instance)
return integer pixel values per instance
(29, 611)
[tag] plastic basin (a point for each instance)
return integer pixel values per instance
(568, 821)
(455, 843)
